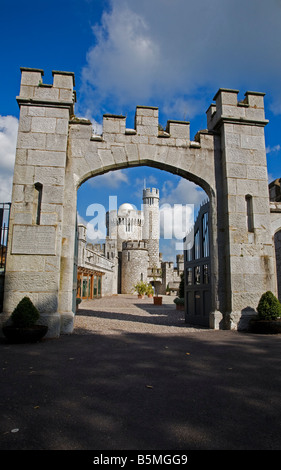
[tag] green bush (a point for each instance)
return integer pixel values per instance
(181, 287)
(140, 288)
(25, 314)
(269, 307)
(149, 290)
(179, 301)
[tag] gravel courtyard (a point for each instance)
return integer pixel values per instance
(125, 313)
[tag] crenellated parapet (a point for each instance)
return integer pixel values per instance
(34, 91)
(227, 108)
(146, 125)
(134, 245)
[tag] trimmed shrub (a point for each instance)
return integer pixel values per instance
(25, 314)
(269, 307)
(181, 287)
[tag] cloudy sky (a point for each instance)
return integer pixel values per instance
(173, 54)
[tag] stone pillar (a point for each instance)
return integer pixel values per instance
(248, 248)
(35, 234)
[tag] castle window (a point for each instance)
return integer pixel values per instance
(205, 234)
(205, 274)
(197, 245)
(38, 188)
(189, 276)
(197, 275)
(129, 256)
(249, 212)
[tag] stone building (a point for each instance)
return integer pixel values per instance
(197, 256)
(275, 212)
(57, 152)
(131, 250)
(95, 273)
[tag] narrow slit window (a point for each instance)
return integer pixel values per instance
(250, 215)
(38, 187)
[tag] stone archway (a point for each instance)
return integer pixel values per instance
(56, 152)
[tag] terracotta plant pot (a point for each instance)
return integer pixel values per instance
(179, 307)
(157, 300)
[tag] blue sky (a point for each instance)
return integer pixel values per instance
(173, 54)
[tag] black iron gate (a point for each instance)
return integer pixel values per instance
(197, 271)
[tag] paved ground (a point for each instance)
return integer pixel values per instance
(128, 314)
(174, 389)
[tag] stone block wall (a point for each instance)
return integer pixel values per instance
(35, 235)
(245, 218)
(135, 262)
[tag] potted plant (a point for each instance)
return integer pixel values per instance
(149, 291)
(157, 300)
(78, 301)
(140, 288)
(179, 301)
(268, 319)
(23, 327)
(168, 290)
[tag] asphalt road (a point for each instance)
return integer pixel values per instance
(211, 390)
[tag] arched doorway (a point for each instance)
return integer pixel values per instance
(57, 152)
(136, 230)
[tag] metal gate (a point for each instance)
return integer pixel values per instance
(197, 271)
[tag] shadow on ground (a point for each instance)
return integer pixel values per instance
(198, 391)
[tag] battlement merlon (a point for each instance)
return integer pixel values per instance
(146, 124)
(227, 108)
(150, 192)
(146, 121)
(34, 92)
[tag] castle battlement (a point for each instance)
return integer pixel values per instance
(150, 192)
(227, 108)
(34, 92)
(146, 124)
(134, 245)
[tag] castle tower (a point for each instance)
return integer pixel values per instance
(151, 230)
(134, 265)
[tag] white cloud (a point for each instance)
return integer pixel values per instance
(112, 179)
(170, 52)
(184, 192)
(8, 140)
(274, 149)
(121, 63)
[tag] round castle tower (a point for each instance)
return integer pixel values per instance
(151, 225)
(134, 265)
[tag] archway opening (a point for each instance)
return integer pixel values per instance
(114, 244)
